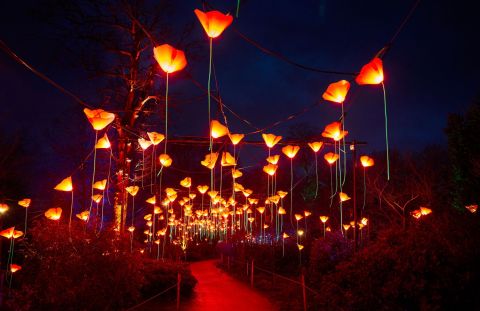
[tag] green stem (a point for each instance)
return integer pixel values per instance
(93, 179)
(208, 90)
(316, 175)
(386, 130)
(166, 113)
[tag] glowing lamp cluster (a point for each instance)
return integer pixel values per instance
(11, 233)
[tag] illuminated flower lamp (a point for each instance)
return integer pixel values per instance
(100, 185)
(53, 213)
(67, 186)
(334, 131)
(337, 92)
(316, 146)
(271, 140)
(83, 216)
(366, 161)
(217, 129)
(144, 145)
(236, 173)
(346, 227)
(25, 203)
(416, 213)
(425, 211)
(270, 169)
(343, 197)
(210, 160)
(281, 211)
(151, 200)
(99, 119)
(155, 139)
(3, 208)
(14, 268)
(261, 210)
(273, 159)
(422, 211)
(364, 221)
(165, 160)
(132, 190)
(228, 159)
(372, 74)
(472, 208)
(291, 152)
(324, 219)
(298, 217)
(236, 138)
(103, 142)
(331, 159)
(11, 234)
(202, 189)
(186, 182)
(214, 23)
(306, 214)
(170, 61)
(284, 236)
(97, 198)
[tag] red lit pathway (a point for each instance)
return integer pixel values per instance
(217, 290)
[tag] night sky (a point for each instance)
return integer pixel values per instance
(431, 70)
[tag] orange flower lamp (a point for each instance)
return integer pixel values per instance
(54, 213)
(336, 92)
(169, 58)
(99, 118)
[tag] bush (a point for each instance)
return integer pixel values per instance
(87, 271)
(432, 265)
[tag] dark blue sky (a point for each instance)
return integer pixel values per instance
(431, 70)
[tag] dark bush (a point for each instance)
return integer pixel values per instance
(85, 270)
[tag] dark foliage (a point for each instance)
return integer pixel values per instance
(87, 271)
(464, 156)
(430, 266)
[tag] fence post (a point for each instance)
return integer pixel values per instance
(251, 272)
(179, 280)
(304, 293)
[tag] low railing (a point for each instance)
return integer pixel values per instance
(251, 267)
(176, 285)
